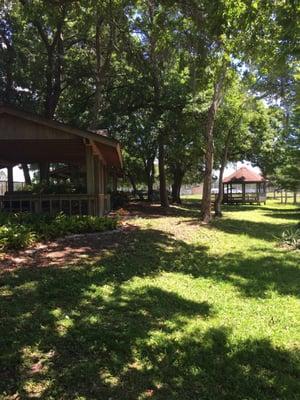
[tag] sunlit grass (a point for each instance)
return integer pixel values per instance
(178, 311)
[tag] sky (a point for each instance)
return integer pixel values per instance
(17, 173)
(233, 167)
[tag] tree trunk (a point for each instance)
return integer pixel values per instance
(285, 197)
(10, 179)
(164, 201)
(115, 182)
(178, 175)
(27, 177)
(156, 79)
(98, 72)
(295, 197)
(54, 47)
(8, 61)
(55, 55)
(149, 171)
(151, 194)
(209, 153)
(9, 76)
(150, 181)
(219, 199)
(134, 188)
(44, 172)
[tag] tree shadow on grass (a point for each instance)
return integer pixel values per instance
(133, 345)
(208, 366)
(63, 336)
(287, 214)
(259, 230)
(257, 276)
(240, 207)
(83, 332)
(283, 209)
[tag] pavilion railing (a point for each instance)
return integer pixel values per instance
(70, 204)
(244, 198)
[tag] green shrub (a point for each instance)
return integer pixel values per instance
(13, 237)
(291, 238)
(63, 225)
(20, 230)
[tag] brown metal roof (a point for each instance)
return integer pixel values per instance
(244, 174)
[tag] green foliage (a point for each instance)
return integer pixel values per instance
(16, 236)
(20, 230)
(290, 238)
(147, 71)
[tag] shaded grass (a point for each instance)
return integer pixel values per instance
(178, 311)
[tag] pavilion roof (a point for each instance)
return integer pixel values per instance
(108, 146)
(244, 174)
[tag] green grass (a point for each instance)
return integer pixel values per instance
(176, 311)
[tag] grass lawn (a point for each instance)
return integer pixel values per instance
(175, 310)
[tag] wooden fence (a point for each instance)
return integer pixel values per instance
(284, 196)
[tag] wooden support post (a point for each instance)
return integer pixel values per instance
(90, 178)
(97, 174)
(10, 179)
(244, 192)
(101, 177)
(97, 178)
(104, 181)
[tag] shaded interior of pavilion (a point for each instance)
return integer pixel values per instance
(72, 170)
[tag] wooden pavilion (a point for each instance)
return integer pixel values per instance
(95, 158)
(244, 186)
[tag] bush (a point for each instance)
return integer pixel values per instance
(291, 238)
(63, 225)
(14, 237)
(20, 230)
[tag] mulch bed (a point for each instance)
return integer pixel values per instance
(82, 248)
(66, 251)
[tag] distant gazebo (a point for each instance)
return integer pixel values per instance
(88, 160)
(244, 186)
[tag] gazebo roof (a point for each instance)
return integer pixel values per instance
(48, 137)
(245, 175)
